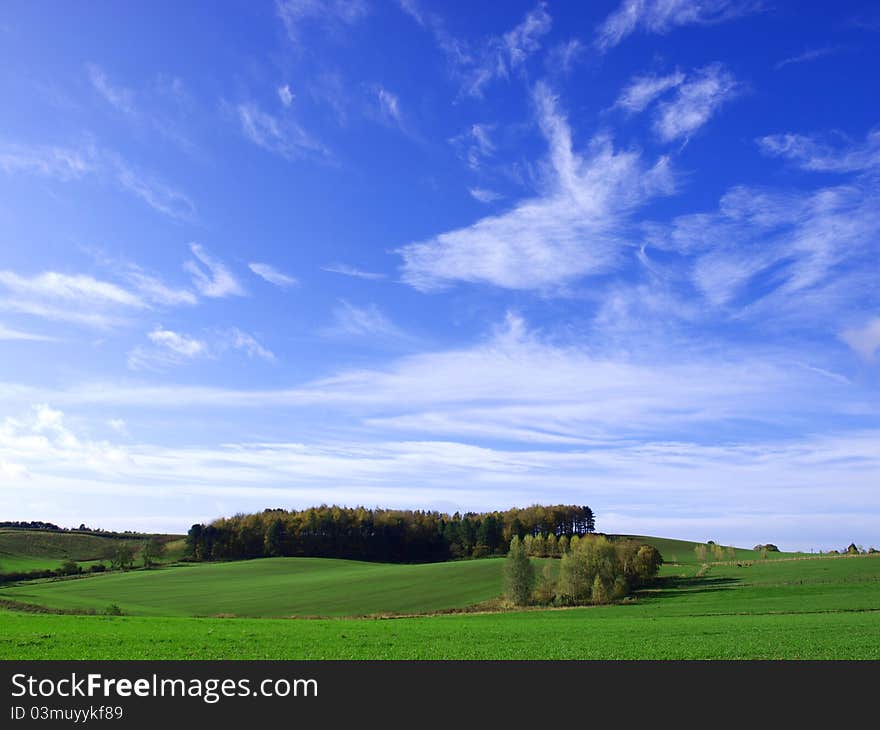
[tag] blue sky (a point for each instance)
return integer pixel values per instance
(622, 254)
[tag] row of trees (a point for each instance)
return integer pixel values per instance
(403, 536)
(594, 570)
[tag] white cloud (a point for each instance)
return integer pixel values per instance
(68, 164)
(347, 270)
(813, 154)
(810, 252)
(498, 58)
(118, 97)
(642, 90)
(562, 57)
(809, 55)
(389, 104)
(7, 333)
(249, 344)
(169, 348)
(156, 291)
(864, 340)
(475, 66)
(369, 321)
(70, 287)
(156, 194)
(328, 14)
(272, 275)
(179, 344)
(118, 425)
(576, 227)
(210, 276)
(697, 100)
(484, 196)
(280, 136)
(475, 145)
(285, 95)
(58, 163)
(661, 16)
(68, 298)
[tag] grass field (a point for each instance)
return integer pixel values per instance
(824, 608)
(275, 587)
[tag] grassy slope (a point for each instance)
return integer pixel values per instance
(825, 608)
(682, 551)
(45, 550)
(276, 587)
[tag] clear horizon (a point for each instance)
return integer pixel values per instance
(398, 254)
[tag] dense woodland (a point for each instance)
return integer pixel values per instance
(398, 536)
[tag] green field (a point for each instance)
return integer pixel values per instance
(275, 587)
(822, 608)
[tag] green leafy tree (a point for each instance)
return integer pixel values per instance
(152, 552)
(546, 588)
(122, 556)
(563, 545)
(539, 546)
(519, 574)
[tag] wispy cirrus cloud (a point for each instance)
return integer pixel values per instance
(10, 334)
(85, 300)
(118, 97)
(484, 196)
(800, 258)
(811, 54)
(696, 101)
(661, 16)
(73, 298)
(272, 275)
(76, 163)
(475, 145)
(240, 340)
(281, 136)
(58, 163)
(574, 228)
(285, 95)
(475, 66)
(330, 15)
(357, 273)
(864, 340)
(812, 153)
(643, 90)
(211, 277)
(369, 321)
(169, 348)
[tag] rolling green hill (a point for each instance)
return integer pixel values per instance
(24, 550)
(684, 551)
(276, 587)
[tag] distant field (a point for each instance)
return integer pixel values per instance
(276, 587)
(682, 551)
(23, 550)
(826, 608)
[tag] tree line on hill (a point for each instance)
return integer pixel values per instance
(592, 569)
(385, 535)
(83, 529)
